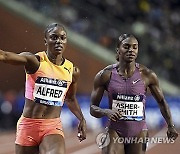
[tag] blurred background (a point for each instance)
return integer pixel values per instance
(93, 27)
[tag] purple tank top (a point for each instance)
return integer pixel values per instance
(127, 95)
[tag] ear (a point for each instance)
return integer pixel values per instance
(117, 51)
(45, 41)
(117, 54)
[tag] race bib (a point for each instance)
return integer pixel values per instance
(49, 91)
(131, 106)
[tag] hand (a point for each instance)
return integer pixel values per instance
(113, 115)
(172, 133)
(82, 130)
(1, 54)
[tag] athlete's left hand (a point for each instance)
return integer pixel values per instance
(82, 130)
(172, 133)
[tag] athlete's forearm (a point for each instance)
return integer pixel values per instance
(11, 58)
(97, 111)
(75, 108)
(164, 108)
(6, 56)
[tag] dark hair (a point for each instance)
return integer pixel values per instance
(119, 41)
(123, 37)
(50, 27)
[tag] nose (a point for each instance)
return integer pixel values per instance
(130, 50)
(58, 40)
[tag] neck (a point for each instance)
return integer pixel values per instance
(126, 69)
(57, 60)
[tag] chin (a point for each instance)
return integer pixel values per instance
(130, 60)
(58, 52)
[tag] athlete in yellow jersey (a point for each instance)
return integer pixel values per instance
(50, 79)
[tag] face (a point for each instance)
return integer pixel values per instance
(56, 40)
(128, 49)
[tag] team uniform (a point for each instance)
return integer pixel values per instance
(127, 95)
(48, 86)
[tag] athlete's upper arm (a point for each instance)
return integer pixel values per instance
(100, 81)
(71, 93)
(32, 62)
(155, 87)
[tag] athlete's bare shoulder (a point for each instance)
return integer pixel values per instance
(103, 76)
(144, 70)
(76, 73)
(109, 67)
(27, 53)
(148, 75)
(106, 72)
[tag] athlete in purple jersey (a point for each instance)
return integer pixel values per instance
(126, 83)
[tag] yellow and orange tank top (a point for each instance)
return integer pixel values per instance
(49, 84)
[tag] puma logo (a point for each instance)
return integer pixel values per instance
(30, 138)
(59, 129)
(135, 81)
(67, 69)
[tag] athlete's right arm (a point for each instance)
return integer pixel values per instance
(101, 80)
(27, 59)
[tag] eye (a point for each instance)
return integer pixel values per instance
(126, 46)
(63, 37)
(54, 37)
(135, 46)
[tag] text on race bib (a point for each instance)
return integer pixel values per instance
(131, 106)
(49, 91)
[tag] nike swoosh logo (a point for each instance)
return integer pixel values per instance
(135, 81)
